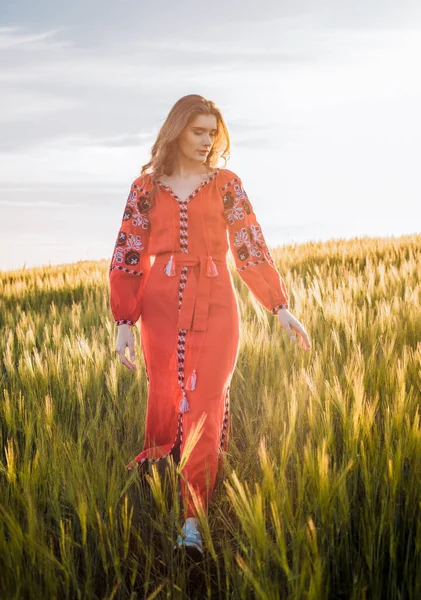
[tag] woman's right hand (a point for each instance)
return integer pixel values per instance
(125, 340)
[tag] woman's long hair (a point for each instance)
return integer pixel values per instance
(164, 151)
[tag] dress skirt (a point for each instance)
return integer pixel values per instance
(212, 353)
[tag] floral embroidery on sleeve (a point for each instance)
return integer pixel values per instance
(248, 241)
(236, 203)
(249, 249)
(133, 232)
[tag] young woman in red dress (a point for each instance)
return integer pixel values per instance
(169, 269)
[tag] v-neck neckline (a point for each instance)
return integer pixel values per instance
(194, 192)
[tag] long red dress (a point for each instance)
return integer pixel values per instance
(188, 310)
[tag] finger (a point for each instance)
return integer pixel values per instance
(304, 337)
(287, 326)
(124, 360)
(306, 345)
(305, 342)
(301, 331)
(128, 364)
(298, 328)
(294, 331)
(292, 334)
(289, 331)
(130, 344)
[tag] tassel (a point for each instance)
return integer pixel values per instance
(191, 382)
(184, 405)
(211, 270)
(170, 267)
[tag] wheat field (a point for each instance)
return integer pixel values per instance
(321, 493)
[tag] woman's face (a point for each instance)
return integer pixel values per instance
(198, 136)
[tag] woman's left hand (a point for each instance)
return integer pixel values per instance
(291, 324)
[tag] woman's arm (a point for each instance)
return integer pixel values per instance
(253, 260)
(130, 261)
(249, 249)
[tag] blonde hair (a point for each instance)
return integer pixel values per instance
(164, 150)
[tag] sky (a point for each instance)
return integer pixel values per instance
(322, 102)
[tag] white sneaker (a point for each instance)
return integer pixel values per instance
(190, 539)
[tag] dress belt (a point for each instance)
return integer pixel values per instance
(195, 305)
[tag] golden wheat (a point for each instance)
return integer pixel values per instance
(322, 489)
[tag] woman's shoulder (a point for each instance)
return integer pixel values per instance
(143, 182)
(226, 177)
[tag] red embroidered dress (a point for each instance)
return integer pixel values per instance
(169, 268)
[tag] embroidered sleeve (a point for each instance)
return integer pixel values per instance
(249, 249)
(130, 261)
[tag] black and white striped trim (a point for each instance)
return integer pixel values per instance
(178, 439)
(184, 233)
(194, 193)
(225, 421)
(182, 333)
(131, 271)
(253, 262)
(275, 309)
(224, 187)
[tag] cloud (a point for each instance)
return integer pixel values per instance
(16, 39)
(94, 134)
(322, 99)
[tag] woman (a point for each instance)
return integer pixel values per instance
(179, 211)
